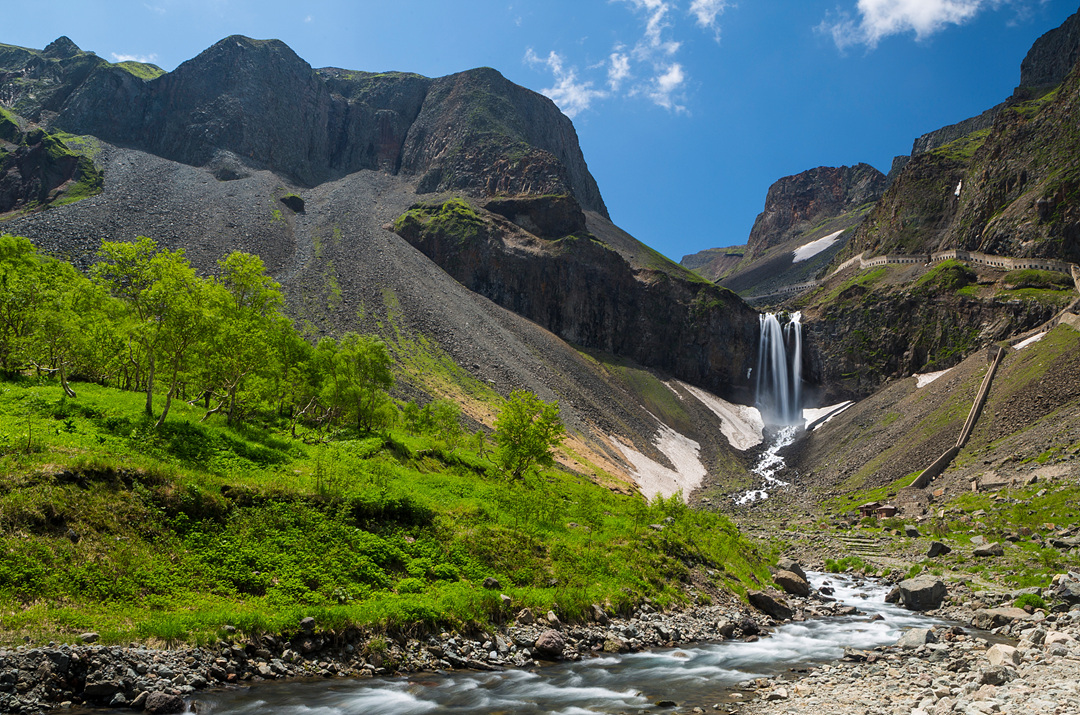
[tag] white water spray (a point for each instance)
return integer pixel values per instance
(779, 397)
(779, 370)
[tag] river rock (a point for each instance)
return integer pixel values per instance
(792, 583)
(789, 564)
(1057, 637)
(749, 626)
(922, 593)
(307, 625)
(992, 549)
(599, 615)
(525, 617)
(550, 644)
(915, 637)
(90, 637)
(911, 532)
(492, 584)
(937, 549)
(159, 703)
(770, 605)
(996, 675)
(1001, 654)
(987, 618)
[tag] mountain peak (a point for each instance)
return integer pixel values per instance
(62, 48)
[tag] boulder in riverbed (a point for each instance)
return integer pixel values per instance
(789, 564)
(922, 593)
(792, 583)
(160, 703)
(987, 618)
(915, 637)
(549, 644)
(1001, 654)
(770, 605)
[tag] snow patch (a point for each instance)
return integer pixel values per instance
(813, 248)
(924, 379)
(813, 414)
(741, 425)
(1033, 339)
(654, 478)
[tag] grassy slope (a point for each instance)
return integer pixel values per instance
(1030, 426)
(107, 525)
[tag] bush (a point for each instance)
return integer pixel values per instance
(1030, 599)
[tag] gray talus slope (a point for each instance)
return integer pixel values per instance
(342, 270)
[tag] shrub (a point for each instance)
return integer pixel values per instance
(1030, 599)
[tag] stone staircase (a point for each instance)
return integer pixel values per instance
(861, 545)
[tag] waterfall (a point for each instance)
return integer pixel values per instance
(779, 370)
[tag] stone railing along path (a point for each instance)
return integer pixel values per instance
(861, 261)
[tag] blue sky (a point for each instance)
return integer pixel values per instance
(687, 110)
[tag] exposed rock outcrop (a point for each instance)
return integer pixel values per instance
(796, 203)
(583, 290)
(37, 168)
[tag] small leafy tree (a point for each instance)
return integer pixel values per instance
(360, 373)
(527, 431)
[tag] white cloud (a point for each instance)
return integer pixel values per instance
(878, 19)
(618, 70)
(706, 12)
(666, 85)
(154, 8)
(646, 67)
(133, 58)
(309, 18)
(571, 95)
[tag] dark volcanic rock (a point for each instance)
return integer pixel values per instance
(543, 216)
(36, 168)
(796, 203)
(937, 549)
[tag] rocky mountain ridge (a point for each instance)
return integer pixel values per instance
(473, 131)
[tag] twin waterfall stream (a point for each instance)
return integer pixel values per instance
(778, 384)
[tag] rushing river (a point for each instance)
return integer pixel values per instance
(697, 675)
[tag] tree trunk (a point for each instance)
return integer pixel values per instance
(150, 387)
(169, 394)
(64, 383)
(232, 405)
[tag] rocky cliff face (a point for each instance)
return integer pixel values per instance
(796, 203)
(1052, 56)
(255, 103)
(1010, 189)
(37, 168)
(584, 291)
(869, 335)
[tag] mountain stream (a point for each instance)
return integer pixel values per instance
(694, 675)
